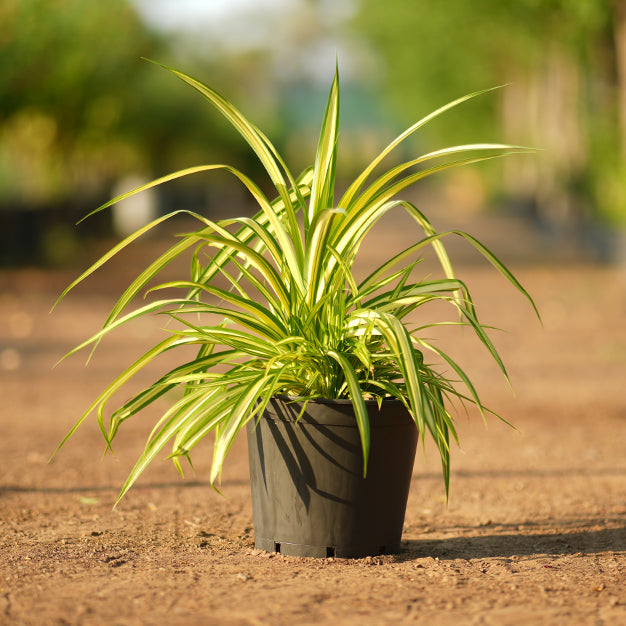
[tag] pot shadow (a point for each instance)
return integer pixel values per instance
(495, 545)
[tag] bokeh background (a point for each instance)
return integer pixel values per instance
(83, 116)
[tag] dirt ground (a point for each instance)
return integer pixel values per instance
(534, 533)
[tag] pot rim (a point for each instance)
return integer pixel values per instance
(338, 412)
(334, 401)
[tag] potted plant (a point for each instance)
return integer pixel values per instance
(322, 368)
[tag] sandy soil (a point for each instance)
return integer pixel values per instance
(534, 532)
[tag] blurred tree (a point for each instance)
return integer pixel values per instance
(567, 62)
(79, 109)
(64, 126)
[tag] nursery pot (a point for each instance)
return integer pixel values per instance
(309, 496)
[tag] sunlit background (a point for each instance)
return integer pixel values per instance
(83, 116)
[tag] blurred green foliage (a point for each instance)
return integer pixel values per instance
(64, 130)
(566, 62)
(79, 109)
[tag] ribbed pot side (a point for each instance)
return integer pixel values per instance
(309, 496)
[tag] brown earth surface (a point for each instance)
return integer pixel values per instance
(534, 533)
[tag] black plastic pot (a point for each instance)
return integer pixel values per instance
(309, 496)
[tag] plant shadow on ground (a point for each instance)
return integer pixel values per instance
(189, 484)
(558, 542)
(524, 473)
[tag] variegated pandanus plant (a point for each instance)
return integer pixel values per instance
(272, 306)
